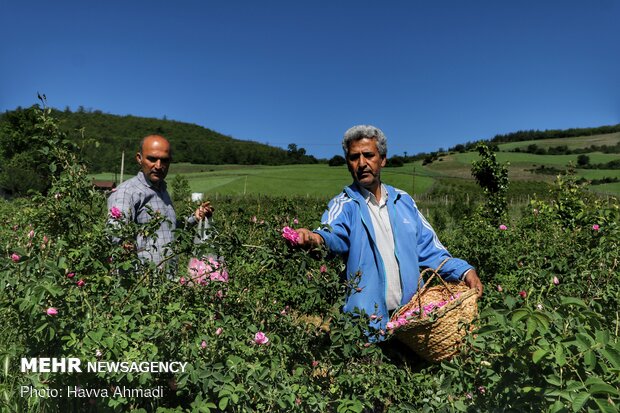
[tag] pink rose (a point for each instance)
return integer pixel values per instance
(219, 331)
(315, 363)
(596, 227)
(261, 338)
(295, 221)
(31, 234)
(290, 234)
(71, 275)
(323, 269)
(390, 325)
(80, 283)
(503, 227)
(15, 257)
(254, 219)
(203, 344)
(523, 294)
(499, 288)
(52, 311)
(196, 267)
(556, 281)
(115, 213)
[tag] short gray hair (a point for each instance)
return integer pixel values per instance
(365, 132)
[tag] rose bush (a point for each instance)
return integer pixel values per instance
(273, 338)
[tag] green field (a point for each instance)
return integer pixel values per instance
(324, 181)
(301, 180)
(609, 139)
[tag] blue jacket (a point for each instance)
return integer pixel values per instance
(347, 231)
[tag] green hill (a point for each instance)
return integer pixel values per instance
(103, 137)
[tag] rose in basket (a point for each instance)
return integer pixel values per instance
(202, 271)
(429, 311)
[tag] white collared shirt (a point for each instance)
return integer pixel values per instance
(385, 243)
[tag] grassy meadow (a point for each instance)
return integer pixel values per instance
(322, 180)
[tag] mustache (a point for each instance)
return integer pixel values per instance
(366, 170)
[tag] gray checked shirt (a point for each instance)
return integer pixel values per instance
(132, 197)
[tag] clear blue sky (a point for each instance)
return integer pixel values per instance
(431, 74)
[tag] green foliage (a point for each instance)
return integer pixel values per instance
(548, 341)
(181, 192)
(337, 160)
(30, 145)
(109, 135)
(493, 179)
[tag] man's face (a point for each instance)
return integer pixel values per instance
(155, 159)
(365, 163)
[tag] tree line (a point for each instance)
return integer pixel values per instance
(102, 137)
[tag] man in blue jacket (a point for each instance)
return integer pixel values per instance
(381, 234)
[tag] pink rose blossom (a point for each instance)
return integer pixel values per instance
(214, 263)
(52, 311)
(254, 219)
(115, 213)
(219, 331)
(15, 257)
(503, 227)
(31, 234)
(219, 294)
(315, 363)
(203, 344)
(295, 221)
(71, 275)
(261, 338)
(182, 281)
(80, 283)
(290, 234)
(390, 325)
(523, 294)
(499, 288)
(596, 227)
(323, 269)
(556, 281)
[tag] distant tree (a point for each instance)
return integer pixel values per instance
(395, 161)
(583, 160)
(337, 160)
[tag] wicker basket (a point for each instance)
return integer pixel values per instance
(437, 336)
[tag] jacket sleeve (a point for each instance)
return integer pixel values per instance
(336, 226)
(431, 252)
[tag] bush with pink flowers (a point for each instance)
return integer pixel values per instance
(261, 327)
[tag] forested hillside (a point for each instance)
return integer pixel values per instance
(103, 137)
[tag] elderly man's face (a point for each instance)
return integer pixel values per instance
(155, 159)
(365, 163)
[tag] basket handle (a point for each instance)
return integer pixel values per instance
(435, 272)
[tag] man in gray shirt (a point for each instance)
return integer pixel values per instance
(134, 197)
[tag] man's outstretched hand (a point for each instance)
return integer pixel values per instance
(308, 239)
